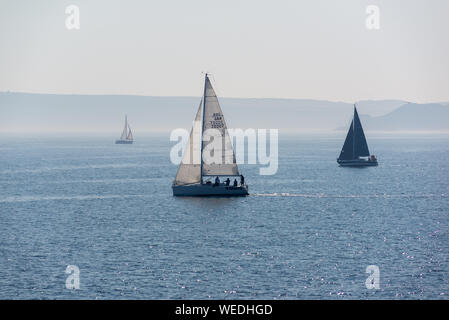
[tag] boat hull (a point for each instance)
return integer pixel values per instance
(209, 190)
(124, 141)
(357, 163)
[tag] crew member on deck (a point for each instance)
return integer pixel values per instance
(228, 181)
(235, 182)
(242, 180)
(217, 181)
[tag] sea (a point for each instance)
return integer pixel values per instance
(83, 218)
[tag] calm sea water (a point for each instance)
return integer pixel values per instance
(308, 232)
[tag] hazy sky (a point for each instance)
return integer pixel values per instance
(280, 49)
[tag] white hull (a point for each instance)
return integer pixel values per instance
(199, 190)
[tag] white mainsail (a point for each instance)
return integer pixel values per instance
(125, 130)
(189, 170)
(221, 160)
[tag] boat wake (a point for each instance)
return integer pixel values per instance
(320, 195)
(13, 199)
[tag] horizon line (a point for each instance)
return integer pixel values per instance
(221, 97)
(168, 131)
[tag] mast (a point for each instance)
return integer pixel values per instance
(202, 128)
(353, 134)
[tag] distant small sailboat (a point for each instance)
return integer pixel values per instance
(193, 169)
(355, 151)
(127, 135)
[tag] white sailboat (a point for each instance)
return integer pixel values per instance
(127, 135)
(197, 175)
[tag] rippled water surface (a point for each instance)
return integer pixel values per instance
(309, 231)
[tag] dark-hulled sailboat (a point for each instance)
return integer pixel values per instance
(195, 170)
(355, 151)
(127, 135)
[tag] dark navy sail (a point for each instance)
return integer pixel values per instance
(360, 145)
(347, 152)
(355, 145)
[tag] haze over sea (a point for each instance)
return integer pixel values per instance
(308, 232)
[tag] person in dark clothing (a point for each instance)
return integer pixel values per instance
(228, 181)
(242, 180)
(235, 182)
(217, 181)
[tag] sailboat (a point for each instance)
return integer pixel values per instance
(355, 151)
(196, 170)
(127, 135)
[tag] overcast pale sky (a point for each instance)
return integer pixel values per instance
(254, 48)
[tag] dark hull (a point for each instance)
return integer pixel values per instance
(124, 141)
(209, 190)
(357, 163)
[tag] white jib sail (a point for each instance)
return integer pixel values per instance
(218, 153)
(130, 134)
(189, 170)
